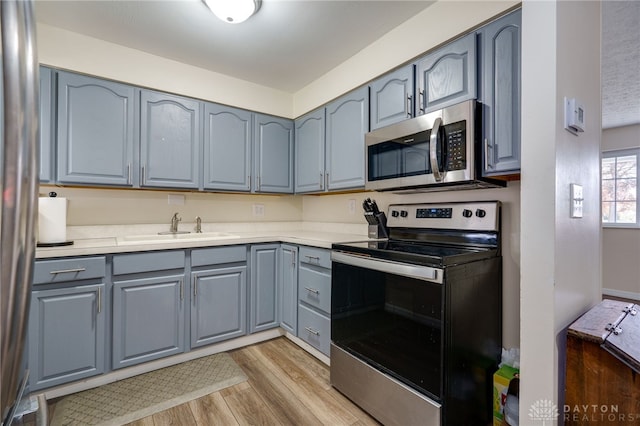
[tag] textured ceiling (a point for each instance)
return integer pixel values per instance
(620, 63)
(290, 43)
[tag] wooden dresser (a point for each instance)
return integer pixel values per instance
(603, 366)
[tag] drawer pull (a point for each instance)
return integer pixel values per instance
(312, 290)
(68, 271)
(312, 258)
(312, 331)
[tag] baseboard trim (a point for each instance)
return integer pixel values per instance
(619, 293)
(307, 347)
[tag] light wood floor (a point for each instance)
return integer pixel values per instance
(286, 386)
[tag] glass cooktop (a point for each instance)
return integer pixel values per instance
(417, 252)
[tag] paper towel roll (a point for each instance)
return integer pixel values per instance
(52, 220)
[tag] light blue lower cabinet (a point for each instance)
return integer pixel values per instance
(288, 288)
(218, 305)
(148, 319)
(264, 295)
(314, 327)
(314, 297)
(66, 335)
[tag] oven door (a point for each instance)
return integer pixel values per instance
(390, 316)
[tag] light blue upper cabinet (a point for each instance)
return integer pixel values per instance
(46, 128)
(347, 123)
(447, 75)
(309, 152)
(392, 97)
(170, 140)
(500, 75)
(95, 131)
(227, 148)
(273, 154)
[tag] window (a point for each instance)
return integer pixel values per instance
(620, 188)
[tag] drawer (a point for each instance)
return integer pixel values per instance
(147, 262)
(314, 287)
(218, 255)
(72, 269)
(315, 256)
(314, 328)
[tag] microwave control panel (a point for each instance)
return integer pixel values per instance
(456, 143)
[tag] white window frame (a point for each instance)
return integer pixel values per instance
(623, 153)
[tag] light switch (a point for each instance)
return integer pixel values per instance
(576, 200)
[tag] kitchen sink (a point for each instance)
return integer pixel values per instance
(163, 238)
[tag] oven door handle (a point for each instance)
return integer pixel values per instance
(419, 272)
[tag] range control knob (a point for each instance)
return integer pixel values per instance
(481, 213)
(395, 213)
(404, 213)
(467, 213)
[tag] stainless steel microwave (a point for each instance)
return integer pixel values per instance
(436, 151)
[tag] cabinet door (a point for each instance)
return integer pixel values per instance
(148, 319)
(46, 127)
(66, 335)
(170, 140)
(392, 97)
(219, 307)
(95, 131)
(447, 76)
(289, 288)
(273, 153)
(264, 288)
(500, 73)
(227, 148)
(347, 122)
(309, 140)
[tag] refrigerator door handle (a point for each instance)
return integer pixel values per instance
(19, 191)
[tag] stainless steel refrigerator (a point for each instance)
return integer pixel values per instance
(18, 199)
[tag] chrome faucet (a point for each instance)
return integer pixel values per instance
(174, 223)
(198, 225)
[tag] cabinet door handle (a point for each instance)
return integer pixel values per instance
(487, 164)
(68, 271)
(293, 258)
(321, 179)
(143, 178)
(312, 331)
(312, 290)
(249, 182)
(129, 174)
(312, 259)
(326, 179)
(409, 97)
(181, 289)
(195, 289)
(421, 93)
(99, 300)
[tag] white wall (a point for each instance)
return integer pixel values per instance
(621, 246)
(72, 51)
(560, 269)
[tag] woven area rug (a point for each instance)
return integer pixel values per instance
(131, 399)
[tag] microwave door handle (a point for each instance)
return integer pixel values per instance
(433, 150)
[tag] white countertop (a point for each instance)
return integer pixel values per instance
(105, 239)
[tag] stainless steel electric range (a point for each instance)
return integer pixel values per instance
(416, 320)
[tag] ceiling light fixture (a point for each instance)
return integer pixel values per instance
(233, 11)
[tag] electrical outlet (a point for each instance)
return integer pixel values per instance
(258, 210)
(351, 206)
(175, 199)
